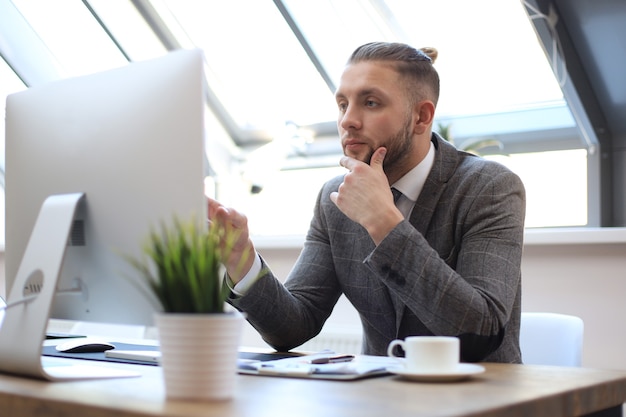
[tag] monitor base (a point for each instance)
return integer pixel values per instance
(26, 318)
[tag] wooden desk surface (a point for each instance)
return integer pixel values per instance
(503, 390)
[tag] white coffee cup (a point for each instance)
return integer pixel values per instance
(429, 354)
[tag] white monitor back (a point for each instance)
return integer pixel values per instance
(132, 140)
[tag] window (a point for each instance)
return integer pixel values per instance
(72, 35)
(555, 181)
(9, 83)
(496, 85)
(271, 72)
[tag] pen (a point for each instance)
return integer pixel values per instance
(332, 359)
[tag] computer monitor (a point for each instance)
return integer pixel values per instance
(125, 148)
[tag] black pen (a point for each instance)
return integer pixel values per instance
(332, 359)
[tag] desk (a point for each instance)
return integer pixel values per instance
(503, 390)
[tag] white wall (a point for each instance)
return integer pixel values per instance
(562, 272)
(585, 280)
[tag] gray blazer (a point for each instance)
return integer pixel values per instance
(452, 268)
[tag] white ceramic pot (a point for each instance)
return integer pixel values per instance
(199, 354)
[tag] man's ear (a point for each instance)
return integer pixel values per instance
(424, 113)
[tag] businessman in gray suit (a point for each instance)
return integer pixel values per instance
(442, 258)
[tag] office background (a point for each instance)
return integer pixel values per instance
(538, 84)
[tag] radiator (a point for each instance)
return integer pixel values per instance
(340, 342)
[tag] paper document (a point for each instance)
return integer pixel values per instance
(320, 366)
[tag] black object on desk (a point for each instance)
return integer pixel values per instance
(57, 335)
(100, 356)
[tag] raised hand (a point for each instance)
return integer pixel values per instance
(241, 250)
(365, 196)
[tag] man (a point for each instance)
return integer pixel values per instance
(444, 260)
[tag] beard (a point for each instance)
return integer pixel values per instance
(399, 146)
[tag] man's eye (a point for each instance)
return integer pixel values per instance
(371, 103)
(342, 106)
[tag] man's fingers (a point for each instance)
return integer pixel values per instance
(347, 162)
(225, 216)
(378, 157)
(213, 206)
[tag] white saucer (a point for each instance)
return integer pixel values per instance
(463, 371)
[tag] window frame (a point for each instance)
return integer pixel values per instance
(35, 64)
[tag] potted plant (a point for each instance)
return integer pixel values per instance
(182, 268)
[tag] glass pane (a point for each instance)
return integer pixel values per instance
(129, 28)
(72, 34)
(487, 65)
(489, 56)
(269, 215)
(9, 83)
(258, 69)
(347, 24)
(554, 197)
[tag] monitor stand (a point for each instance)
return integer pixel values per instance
(23, 329)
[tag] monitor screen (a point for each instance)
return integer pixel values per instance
(132, 140)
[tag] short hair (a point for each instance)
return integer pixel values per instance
(414, 64)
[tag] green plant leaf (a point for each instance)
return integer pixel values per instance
(182, 265)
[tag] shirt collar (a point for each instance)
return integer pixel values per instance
(412, 182)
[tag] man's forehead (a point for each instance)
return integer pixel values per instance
(369, 75)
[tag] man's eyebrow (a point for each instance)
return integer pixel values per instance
(362, 93)
(371, 91)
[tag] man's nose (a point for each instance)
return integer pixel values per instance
(350, 119)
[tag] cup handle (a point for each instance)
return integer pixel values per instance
(392, 345)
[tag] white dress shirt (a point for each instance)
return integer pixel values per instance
(411, 184)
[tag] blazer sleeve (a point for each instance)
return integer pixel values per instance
(287, 315)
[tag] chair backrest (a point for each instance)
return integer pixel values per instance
(551, 339)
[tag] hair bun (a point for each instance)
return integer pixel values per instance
(431, 52)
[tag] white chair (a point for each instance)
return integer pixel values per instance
(551, 339)
(2, 308)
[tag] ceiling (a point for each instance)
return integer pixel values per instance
(273, 66)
